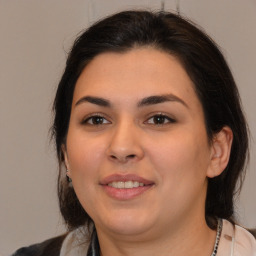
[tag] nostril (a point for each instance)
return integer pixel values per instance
(131, 156)
(113, 157)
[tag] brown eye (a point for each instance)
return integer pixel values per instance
(96, 120)
(160, 120)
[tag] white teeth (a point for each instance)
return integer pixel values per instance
(136, 184)
(126, 184)
(120, 184)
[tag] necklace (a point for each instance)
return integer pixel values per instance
(219, 229)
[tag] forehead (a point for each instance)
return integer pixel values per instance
(137, 73)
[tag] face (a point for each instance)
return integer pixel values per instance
(137, 147)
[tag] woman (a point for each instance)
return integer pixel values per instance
(151, 142)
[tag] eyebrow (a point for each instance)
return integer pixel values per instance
(156, 99)
(151, 100)
(94, 100)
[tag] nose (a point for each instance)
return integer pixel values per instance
(125, 144)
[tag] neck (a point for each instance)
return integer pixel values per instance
(186, 238)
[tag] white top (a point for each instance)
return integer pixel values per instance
(234, 241)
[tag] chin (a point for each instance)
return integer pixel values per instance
(127, 224)
(129, 230)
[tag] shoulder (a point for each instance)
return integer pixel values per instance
(245, 241)
(76, 243)
(50, 247)
(236, 241)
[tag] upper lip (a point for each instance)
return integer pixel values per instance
(126, 177)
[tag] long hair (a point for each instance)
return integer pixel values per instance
(206, 67)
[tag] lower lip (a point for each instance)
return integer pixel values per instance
(125, 193)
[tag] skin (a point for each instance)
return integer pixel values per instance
(171, 150)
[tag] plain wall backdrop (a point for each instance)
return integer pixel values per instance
(35, 37)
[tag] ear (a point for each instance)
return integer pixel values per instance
(64, 151)
(220, 151)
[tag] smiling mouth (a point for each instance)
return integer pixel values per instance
(126, 184)
(125, 187)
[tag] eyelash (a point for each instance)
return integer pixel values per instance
(160, 118)
(89, 120)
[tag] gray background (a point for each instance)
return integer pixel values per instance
(34, 38)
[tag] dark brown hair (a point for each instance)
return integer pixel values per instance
(205, 65)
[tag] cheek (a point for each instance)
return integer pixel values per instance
(180, 158)
(85, 158)
(84, 155)
(181, 169)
